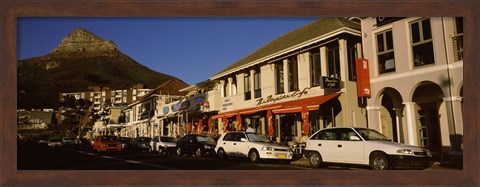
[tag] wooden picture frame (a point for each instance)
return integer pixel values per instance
(11, 10)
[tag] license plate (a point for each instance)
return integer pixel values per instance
(281, 156)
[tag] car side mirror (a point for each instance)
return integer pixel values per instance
(243, 139)
(354, 138)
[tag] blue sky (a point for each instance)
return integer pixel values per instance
(191, 49)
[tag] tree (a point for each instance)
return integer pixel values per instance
(77, 113)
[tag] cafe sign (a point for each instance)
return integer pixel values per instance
(330, 82)
(273, 99)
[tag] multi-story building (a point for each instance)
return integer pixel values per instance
(298, 83)
(416, 76)
(145, 117)
(35, 119)
(102, 97)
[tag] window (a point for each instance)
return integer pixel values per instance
(225, 88)
(386, 56)
(422, 45)
(256, 83)
(315, 71)
(292, 74)
(333, 57)
(458, 39)
(352, 68)
(248, 94)
(279, 78)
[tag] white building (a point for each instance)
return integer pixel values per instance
(416, 71)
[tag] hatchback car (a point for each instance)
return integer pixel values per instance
(141, 143)
(195, 144)
(255, 146)
(106, 143)
(363, 146)
(162, 144)
(55, 142)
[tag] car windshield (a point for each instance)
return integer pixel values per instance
(254, 137)
(370, 134)
(143, 139)
(108, 138)
(205, 139)
(167, 139)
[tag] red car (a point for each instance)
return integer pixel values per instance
(106, 143)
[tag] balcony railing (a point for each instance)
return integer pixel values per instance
(458, 47)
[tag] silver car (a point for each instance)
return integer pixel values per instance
(162, 144)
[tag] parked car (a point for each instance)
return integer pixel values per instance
(255, 146)
(199, 145)
(363, 146)
(162, 144)
(68, 140)
(126, 142)
(141, 143)
(55, 142)
(106, 143)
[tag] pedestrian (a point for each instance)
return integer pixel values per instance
(250, 129)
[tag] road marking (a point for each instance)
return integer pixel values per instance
(127, 161)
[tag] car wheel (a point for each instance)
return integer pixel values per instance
(221, 154)
(253, 156)
(199, 152)
(179, 151)
(315, 159)
(160, 150)
(378, 161)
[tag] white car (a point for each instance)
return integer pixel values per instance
(252, 145)
(162, 144)
(55, 142)
(363, 146)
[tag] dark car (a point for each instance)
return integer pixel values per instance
(125, 142)
(195, 144)
(141, 143)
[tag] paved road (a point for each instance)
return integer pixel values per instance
(35, 156)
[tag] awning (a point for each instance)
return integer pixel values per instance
(312, 103)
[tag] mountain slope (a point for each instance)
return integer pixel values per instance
(80, 60)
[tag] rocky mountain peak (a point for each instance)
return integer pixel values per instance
(85, 43)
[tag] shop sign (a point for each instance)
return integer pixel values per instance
(199, 100)
(330, 82)
(273, 99)
(363, 78)
(165, 110)
(185, 105)
(176, 107)
(227, 104)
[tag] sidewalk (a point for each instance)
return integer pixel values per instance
(444, 165)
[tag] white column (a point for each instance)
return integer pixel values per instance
(323, 61)
(285, 75)
(373, 115)
(410, 111)
(359, 50)
(222, 90)
(454, 111)
(252, 83)
(229, 91)
(343, 59)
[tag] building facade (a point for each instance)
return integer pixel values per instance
(416, 75)
(297, 84)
